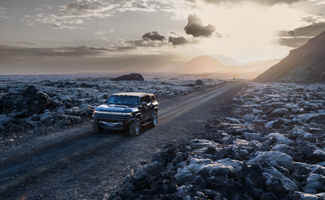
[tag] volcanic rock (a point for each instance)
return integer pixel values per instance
(129, 77)
(281, 158)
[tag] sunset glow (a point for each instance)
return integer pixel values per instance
(110, 35)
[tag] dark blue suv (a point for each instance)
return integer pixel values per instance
(129, 110)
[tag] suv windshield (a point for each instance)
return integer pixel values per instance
(123, 100)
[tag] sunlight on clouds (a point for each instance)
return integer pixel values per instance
(248, 31)
(319, 2)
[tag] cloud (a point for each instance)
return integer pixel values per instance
(299, 36)
(75, 13)
(87, 8)
(49, 7)
(310, 30)
(4, 13)
(154, 35)
(261, 2)
(29, 42)
(177, 40)
(58, 22)
(195, 27)
(146, 43)
(319, 2)
(292, 42)
(27, 52)
(313, 19)
(102, 34)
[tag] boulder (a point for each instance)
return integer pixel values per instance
(32, 100)
(282, 159)
(184, 175)
(280, 138)
(319, 154)
(253, 136)
(129, 77)
(4, 120)
(315, 182)
(199, 82)
(47, 118)
(275, 174)
(249, 117)
(153, 169)
(283, 148)
(279, 112)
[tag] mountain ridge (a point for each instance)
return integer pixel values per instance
(305, 64)
(208, 64)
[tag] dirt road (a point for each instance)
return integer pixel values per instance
(81, 165)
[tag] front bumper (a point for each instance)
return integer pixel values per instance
(113, 122)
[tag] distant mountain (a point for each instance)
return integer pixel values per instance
(305, 64)
(202, 65)
(253, 69)
(261, 64)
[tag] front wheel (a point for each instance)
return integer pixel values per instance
(134, 128)
(97, 129)
(154, 120)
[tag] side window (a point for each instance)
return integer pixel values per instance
(153, 97)
(146, 99)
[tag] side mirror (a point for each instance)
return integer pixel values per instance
(144, 104)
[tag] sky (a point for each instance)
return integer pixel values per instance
(62, 36)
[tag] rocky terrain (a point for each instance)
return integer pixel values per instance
(267, 143)
(32, 106)
(303, 65)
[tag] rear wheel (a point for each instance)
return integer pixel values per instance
(96, 127)
(134, 128)
(154, 120)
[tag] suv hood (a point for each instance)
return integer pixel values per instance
(115, 108)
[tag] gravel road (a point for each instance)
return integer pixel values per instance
(78, 164)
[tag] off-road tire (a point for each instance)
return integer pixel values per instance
(154, 119)
(97, 129)
(134, 128)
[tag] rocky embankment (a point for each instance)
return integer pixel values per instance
(36, 107)
(268, 144)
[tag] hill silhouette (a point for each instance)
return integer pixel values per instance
(202, 65)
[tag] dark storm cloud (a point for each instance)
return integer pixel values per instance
(297, 37)
(177, 40)
(261, 2)
(154, 35)
(195, 27)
